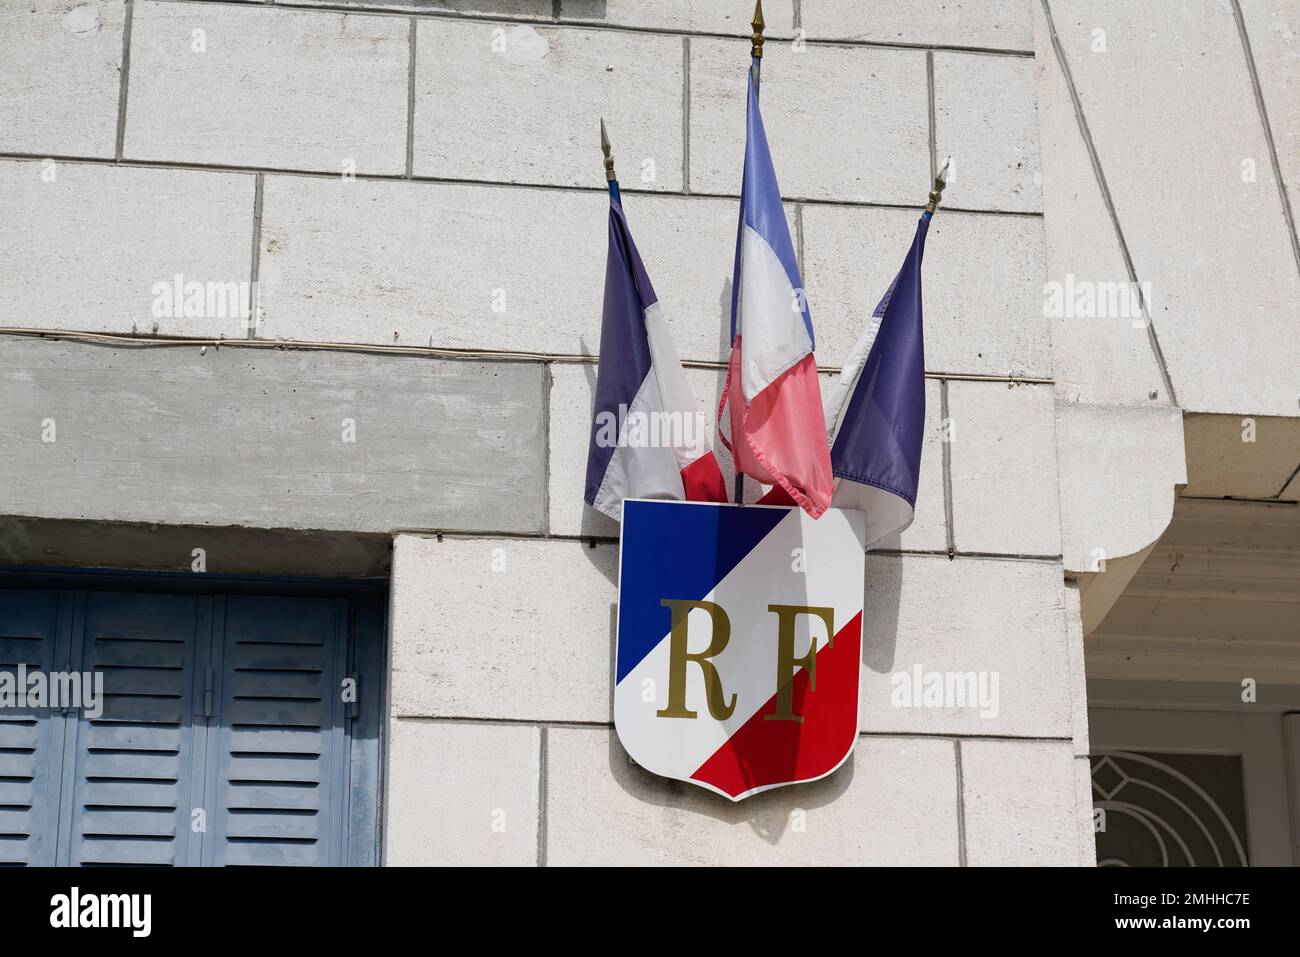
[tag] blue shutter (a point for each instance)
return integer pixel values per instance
(130, 799)
(31, 741)
(224, 709)
(280, 765)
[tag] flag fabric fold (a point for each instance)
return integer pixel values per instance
(648, 438)
(778, 434)
(875, 414)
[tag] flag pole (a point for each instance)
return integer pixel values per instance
(756, 64)
(610, 178)
(936, 194)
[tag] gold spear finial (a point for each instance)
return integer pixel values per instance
(940, 181)
(758, 24)
(609, 156)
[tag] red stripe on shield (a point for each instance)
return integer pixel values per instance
(767, 752)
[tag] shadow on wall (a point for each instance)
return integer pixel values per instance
(724, 326)
(585, 9)
(883, 589)
(593, 522)
(768, 814)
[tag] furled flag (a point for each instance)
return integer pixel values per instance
(778, 434)
(876, 412)
(648, 438)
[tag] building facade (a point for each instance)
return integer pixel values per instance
(300, 313)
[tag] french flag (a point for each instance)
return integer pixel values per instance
(648, 438)
(777, 427)
(875, 414)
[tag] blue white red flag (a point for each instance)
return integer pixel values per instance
(875, 414)
(648, 438)
(778, 434)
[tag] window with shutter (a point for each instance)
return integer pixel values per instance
(280, 758)
(224, 738)
(31, 742)
(133, 786)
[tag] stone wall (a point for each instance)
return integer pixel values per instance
(421, 182)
